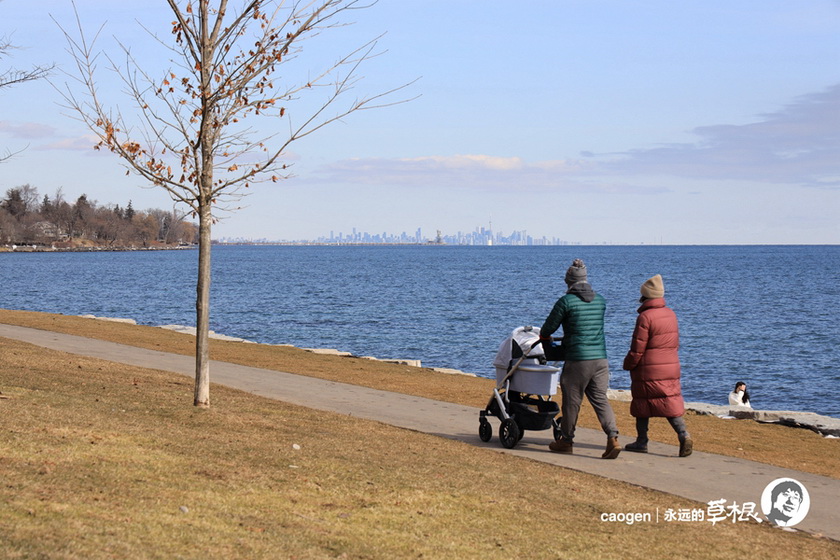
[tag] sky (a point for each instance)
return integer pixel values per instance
(590, 121)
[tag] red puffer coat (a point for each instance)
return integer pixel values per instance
(654, 363)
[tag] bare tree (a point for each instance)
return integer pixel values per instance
(147, 227)
(9, 227)
(188, 135)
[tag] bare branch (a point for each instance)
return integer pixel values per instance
(10, 154)
(12, 77)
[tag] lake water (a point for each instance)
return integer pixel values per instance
(767, 315)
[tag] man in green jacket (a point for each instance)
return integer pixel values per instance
(585, 368)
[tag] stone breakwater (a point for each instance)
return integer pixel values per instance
(824, 425)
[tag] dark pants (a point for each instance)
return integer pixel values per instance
(590, 378)
(677, 423)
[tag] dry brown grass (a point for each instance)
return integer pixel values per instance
(103, 460)
(792, 448)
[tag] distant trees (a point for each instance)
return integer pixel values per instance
(28, 219)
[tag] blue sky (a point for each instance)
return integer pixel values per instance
(590, 121)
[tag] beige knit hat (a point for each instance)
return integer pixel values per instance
(653, 287)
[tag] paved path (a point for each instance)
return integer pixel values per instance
(703, 477)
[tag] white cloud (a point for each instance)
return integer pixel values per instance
(78, 144)
(27, 130)
(460, 172)
(798, 145)
(48, 137)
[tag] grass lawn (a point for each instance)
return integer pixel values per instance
(104, 460)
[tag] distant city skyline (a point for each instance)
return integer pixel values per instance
(479, 236)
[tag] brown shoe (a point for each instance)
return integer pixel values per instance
(686, 447)
(561, 445)
(612, 450)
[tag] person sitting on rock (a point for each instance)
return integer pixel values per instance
(739, 396)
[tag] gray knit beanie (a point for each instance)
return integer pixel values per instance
(576, 272)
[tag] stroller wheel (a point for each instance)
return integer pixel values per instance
(509, 433)
(485, 430)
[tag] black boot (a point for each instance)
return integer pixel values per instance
(636, 447)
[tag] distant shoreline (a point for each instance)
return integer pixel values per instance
(93, 249)
(96, 249)
(444, 244)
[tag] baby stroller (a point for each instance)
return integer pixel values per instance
(524, 386)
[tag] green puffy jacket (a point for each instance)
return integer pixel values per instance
(581, 314)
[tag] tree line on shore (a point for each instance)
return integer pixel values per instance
(27, 218)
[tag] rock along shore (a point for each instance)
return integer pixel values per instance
(825, 425)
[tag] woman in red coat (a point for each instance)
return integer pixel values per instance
(654, 365)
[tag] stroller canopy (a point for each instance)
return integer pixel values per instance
(518, 344)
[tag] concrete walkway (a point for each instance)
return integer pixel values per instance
(703, 477)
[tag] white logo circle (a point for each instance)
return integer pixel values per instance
(785, 502)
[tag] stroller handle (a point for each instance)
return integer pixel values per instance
(553, 339)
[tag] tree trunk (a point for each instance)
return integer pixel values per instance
(202, 310)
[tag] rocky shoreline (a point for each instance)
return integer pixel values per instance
(824, 425)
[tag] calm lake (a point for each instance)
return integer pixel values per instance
(767, 315)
